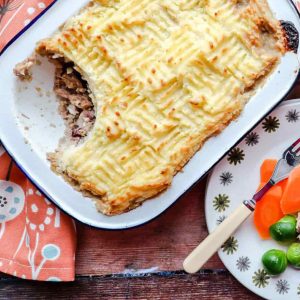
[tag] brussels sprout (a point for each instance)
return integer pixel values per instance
(293, 255)
(284, 230)
(274, 261)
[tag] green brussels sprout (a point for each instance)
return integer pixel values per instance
(284, 230)
(274, 261)
(293, 255)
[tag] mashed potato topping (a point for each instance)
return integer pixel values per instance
(163, 75)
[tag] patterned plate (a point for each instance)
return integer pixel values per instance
(235, 179)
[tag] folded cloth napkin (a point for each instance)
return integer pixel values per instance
(37, 240)
(16, 15)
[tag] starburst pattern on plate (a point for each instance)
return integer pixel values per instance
(252, 139)
(282, 286)
(236, 156)
(230, 246)
(260, 278)
(221, 219)
(270, 124)
(292, 116)
(243, 263)
(221, 202)
(226, 178)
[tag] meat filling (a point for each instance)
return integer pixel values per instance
(23, 69)
(76, 106)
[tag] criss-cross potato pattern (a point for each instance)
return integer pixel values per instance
(165, 75)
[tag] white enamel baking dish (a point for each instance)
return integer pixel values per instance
(30, 126)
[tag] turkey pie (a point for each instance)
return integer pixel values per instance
(144, 83)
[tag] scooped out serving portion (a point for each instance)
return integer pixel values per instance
(143, 84)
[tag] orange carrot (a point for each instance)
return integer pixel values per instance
(290, 202)
(268, 211)
(282, 184)
(267, 169)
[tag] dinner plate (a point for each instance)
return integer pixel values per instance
(30, 126)
(235, 179)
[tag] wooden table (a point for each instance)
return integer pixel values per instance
(142, 263)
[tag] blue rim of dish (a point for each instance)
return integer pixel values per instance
(43, 191)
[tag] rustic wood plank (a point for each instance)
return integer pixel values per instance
(295, 92)
(161, 244)
(209, 285)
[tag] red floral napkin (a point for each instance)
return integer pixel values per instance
(15, 15)
(37, 240)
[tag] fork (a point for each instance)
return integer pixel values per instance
(201, 254)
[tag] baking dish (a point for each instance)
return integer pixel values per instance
(30, 126)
